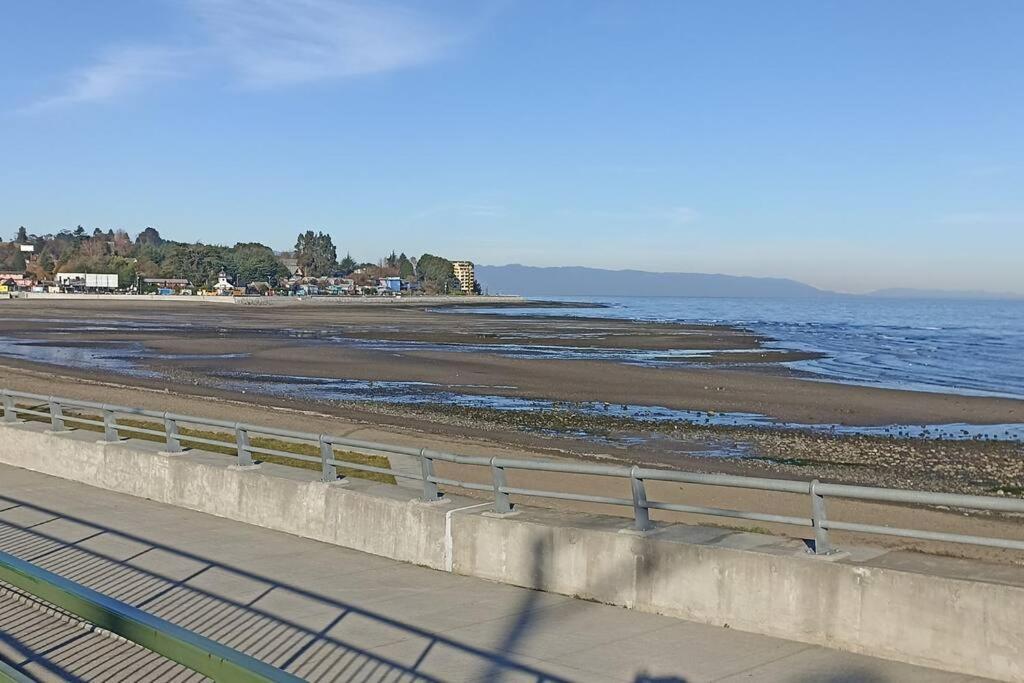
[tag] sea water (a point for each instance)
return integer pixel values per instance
(973, 347)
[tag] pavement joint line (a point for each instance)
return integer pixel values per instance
(766, 663)
(283, 621)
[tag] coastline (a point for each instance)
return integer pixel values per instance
(506, 380)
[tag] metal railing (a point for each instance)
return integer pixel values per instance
(202, 655)
(55, 410)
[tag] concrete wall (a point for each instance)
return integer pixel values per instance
(748, 581)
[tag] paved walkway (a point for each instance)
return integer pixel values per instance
(331, 614)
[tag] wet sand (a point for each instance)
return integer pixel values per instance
(305, 341)
(197, 350)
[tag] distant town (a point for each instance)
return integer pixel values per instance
(112, 261)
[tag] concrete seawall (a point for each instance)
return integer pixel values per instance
(747, 581)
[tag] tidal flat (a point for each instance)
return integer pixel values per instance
(715, 398)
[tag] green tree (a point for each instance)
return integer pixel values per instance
(406, 270)
(149, 236)
(199, 263)
(254, 262)
(316, 253)
(347, 265)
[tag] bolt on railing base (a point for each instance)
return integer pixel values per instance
(831, 556)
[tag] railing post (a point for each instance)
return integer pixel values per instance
(822, 546)
(328, 473)
(171, 430)
(641, 515)
(502, 503)
(10, 412)
(430, 492)
(56, 417)
(109, 426)
(242, 443)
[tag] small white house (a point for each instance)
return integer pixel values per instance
(223, 285)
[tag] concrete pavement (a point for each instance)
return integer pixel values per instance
(329, 613)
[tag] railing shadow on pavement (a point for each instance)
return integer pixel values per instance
(315, 641)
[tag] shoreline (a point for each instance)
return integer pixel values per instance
(720, 369)
(524, 383)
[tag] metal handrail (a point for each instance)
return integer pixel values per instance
(202, 655)
(816, 491)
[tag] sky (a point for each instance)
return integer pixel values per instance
(849, 145)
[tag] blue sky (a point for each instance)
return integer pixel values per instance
(851, 145)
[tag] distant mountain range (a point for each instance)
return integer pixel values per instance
(581, 281)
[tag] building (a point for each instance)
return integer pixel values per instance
(466, 276)
(392, 285)
(14, 282)
(175, 284)
(224, 286)
(86, 281)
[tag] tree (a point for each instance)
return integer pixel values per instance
(347, 265)
(150, 236)
(316, 253)
(436, 273)
(406, 269)
(254, 262)
(198, 263)
(22, 237)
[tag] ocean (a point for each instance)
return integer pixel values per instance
(969, 347)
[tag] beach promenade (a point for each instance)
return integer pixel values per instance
(329, 613)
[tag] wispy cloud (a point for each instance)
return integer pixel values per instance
(268, 43)
(276, 42)
(119, 71)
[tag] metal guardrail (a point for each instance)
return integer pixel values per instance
(202, 655)
(242, 445)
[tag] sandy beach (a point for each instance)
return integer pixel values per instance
(294, 357)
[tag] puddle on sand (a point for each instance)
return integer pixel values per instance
(119, 357)
(125, 358)
(647, 357)
(413, 393)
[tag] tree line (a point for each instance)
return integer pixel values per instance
(316, 254)
(149, 255)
